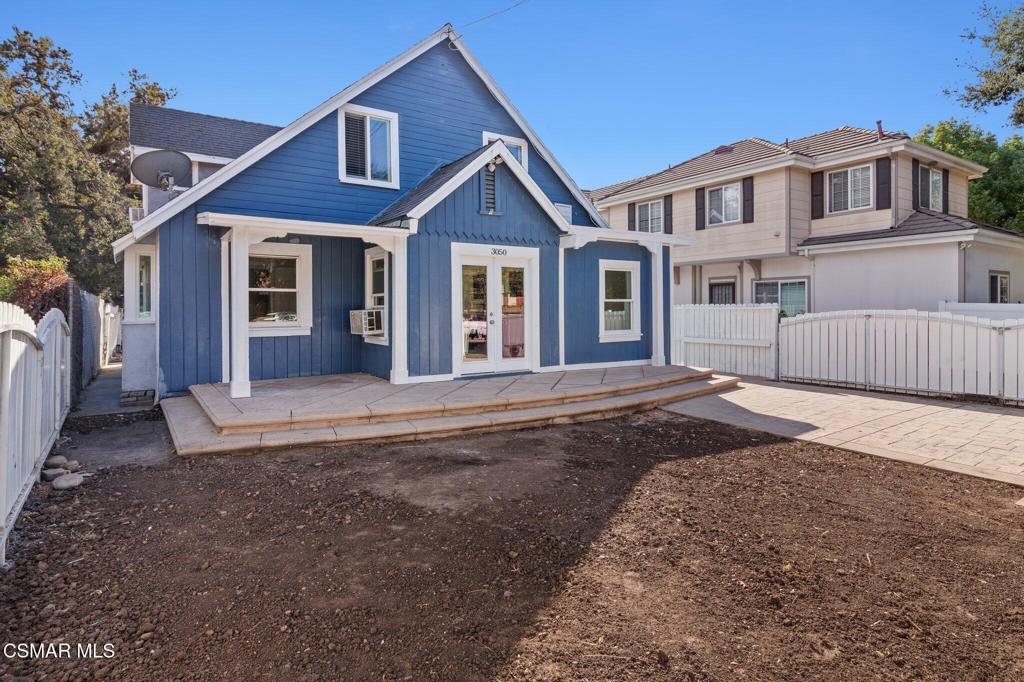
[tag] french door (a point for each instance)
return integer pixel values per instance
(494, 312)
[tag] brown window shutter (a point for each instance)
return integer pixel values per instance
(883, 183)
(631, 217)
(915, 184)
(945, 190)
(748, 199)
(817, 195)
(666, 213)
(698, 195)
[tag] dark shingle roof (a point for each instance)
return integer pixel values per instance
(414, 197)
(920, 222)
(186, 131)
(747, 151)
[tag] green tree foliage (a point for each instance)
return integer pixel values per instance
(1000, 81)
(63, 177)
(35, 285)
(997, 198)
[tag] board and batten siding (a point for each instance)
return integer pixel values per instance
(458, 219)
(582, 317)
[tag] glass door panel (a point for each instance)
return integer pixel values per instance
(474, 313)
(513, 312)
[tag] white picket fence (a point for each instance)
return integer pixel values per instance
(736, 339)
(35, 396)
(908, 351)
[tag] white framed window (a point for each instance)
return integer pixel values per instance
(790, 294)
(565, 210)
(849, 189)
(998, 287)
(619, 284)
(368, 146)
(376, 287)
(724, 204)
(649, 216)
(140, 284)
(280, 289)
(930, 187)
(517, 145)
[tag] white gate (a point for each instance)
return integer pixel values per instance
(35, 396)
(738, 339)
(906, 351)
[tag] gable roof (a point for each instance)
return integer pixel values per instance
(435, 187)
(187, 131)
(920, 222)
(749, 150)
(446, 32)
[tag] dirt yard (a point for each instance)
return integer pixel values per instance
(644, 548)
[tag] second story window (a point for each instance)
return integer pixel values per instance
(516, 145)
(368, 146)
(930, 183)
(849, 189)
(724, 204)
(648, 216)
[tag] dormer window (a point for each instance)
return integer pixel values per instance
(368, 146)
(517, 145)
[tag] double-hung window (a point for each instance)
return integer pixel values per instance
(791, 295)
(368, 146)
(280, 289)
(517, 145)
(930, 187)
(565, 210)
(849, 189)
(648, 216)
(998, 287)
(724, 204)
(376, 287)
(620, 300)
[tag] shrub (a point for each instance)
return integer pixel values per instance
(35, 285)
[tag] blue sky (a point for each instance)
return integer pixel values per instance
(615, 89)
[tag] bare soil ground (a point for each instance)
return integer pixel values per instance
(643, 548)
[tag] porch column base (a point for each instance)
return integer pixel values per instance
(240, 389)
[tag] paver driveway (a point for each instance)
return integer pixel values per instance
(971, 438)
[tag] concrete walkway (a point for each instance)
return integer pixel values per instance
(970, 438)
(103, 395)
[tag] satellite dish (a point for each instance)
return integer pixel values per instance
(163, 168)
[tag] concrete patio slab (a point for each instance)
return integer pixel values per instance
(969, 438)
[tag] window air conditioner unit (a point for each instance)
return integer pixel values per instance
(367, 322)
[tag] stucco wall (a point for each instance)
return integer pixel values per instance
(890, 278)
(981, 259)
(138, 357)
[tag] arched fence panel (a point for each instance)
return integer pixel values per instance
(35, 396)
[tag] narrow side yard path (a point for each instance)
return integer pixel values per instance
(647, 548)
(969, 438)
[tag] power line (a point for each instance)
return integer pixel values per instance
(494, 14)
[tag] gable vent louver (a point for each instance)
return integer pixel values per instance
(489, 199)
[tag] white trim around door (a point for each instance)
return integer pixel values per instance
(492, 258)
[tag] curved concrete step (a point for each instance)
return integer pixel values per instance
(193, 433)
(409, 404)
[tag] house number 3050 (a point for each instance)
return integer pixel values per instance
(499, 252)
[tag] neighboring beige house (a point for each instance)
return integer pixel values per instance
(846, 219)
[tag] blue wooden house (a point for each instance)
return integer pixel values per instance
(412, 227)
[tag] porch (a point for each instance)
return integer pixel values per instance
(347, 408)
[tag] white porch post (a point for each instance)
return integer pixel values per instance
(657, 304)
(239, 385)
(399, 312)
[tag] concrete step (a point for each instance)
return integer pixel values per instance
(194, 434)
(394, 409)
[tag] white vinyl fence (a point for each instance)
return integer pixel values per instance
(35, 396)
(905, 351)
(111, 336)
(737, 339)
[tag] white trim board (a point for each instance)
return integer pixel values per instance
(221, 176)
